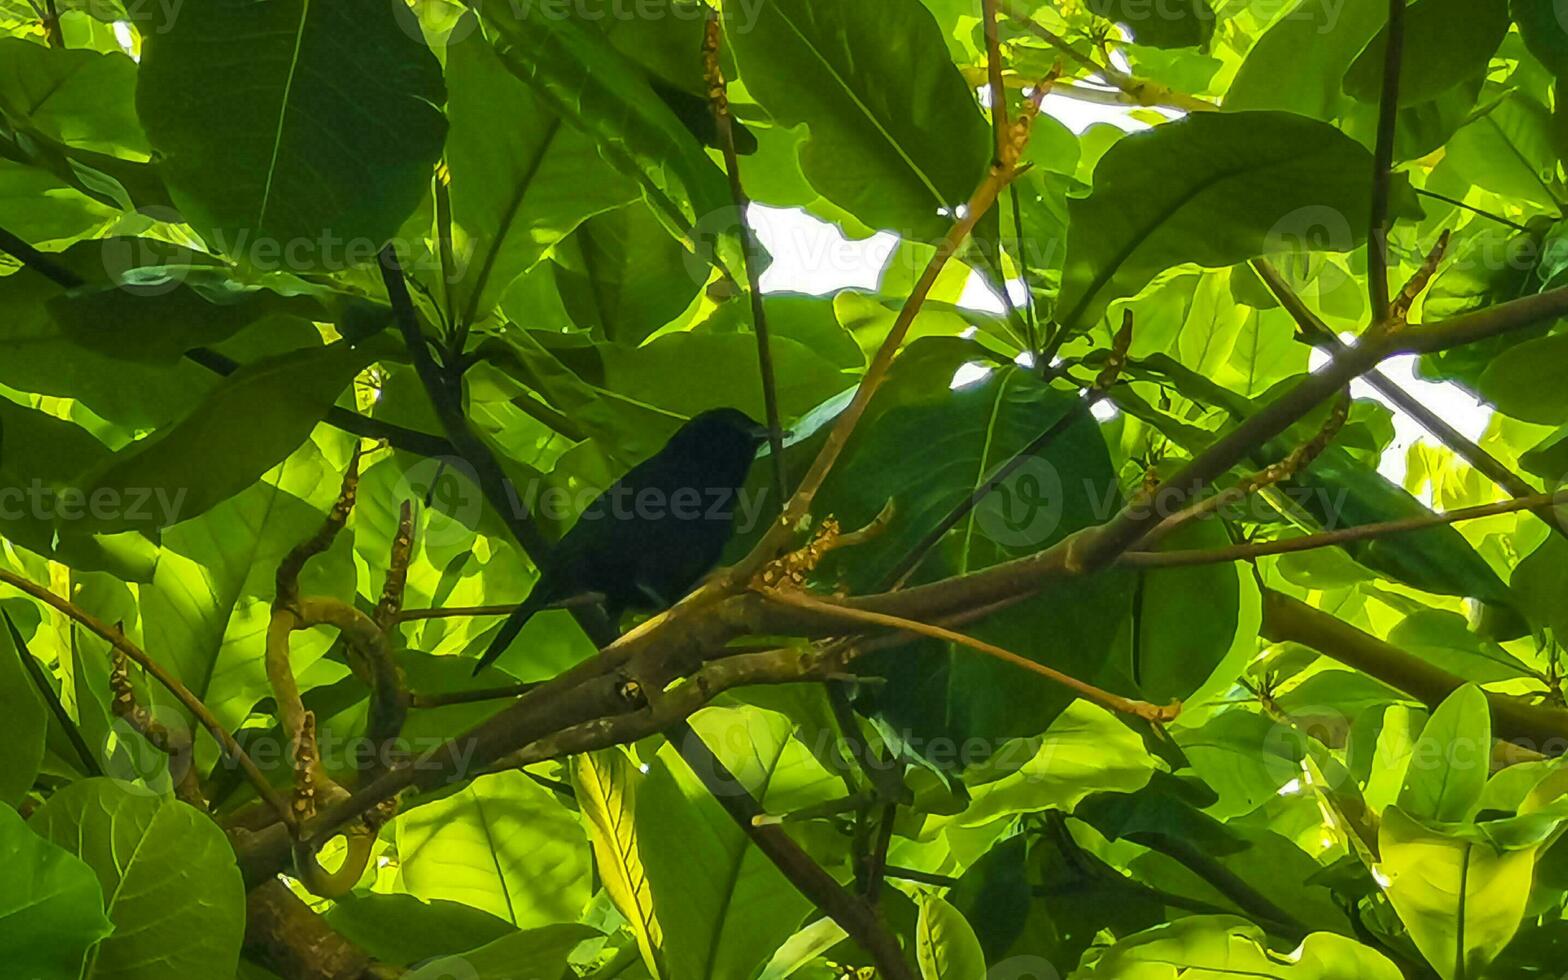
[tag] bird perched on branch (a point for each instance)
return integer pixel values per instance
(644, 542)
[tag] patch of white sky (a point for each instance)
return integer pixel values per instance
(813, 256)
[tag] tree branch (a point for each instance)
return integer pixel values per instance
(1383, 162)
(719, 101)
(1538, 727)
(191, 703)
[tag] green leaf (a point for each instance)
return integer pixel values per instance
(1320, 44)
(242, 428)
(1444, 639)
(522, 177)
(403, 930)
(39, 208)
(597, 89)
(52, 908)
(1544, 31)
(1522, 381)
(945, 945)
(152, 855)
(896, 136)
(1212, 189)
(607, 782)
(157, 326)
(503, 844)
(927, 455)
(76, 96)
(1186, 24)
(541, 952)
(655, 373)
(1219, 945)
(1508, 150)
(293, 134)
(1085, 751)
(24, 723)
(209, 600)
(1462, 899)
(622, 275)
(993, 895)
(1186, 618)
(724, 915)
(1448, 771)
(1445, 42)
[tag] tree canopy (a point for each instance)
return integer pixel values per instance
(1187, 607)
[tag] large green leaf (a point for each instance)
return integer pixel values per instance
(152, 855)
(1523, 380)
(1215, 945)
(503, 844)
(541, 952)
(1186, 618)
(293, 134)
(1086, 750)
(1448, 771)
(241, 429)
(76, 96)
(622, 275)
(1462, 898)
(207, 607)
(1508, 149)
(896, 136)
(1213, 189)
(655, 373)
(607, 782)
(723, 915)
(24, 721)
(40, 208)
(402, 929)
(1445, 42)
(1544, 31)
(1185, 24)
(158, 326)
(52, 908)
(597, 89)
(522, 177)
(945, 945)
(1320, 44)
(927, 453)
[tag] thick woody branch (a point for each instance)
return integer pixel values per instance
(1314, 331)
(1542, 728)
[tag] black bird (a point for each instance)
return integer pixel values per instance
(644, 542)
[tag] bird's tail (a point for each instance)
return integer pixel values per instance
(519, 617)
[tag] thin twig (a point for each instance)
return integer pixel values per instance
(998, 177)
(719, 101)
(1325, 539)
(193, 704)
(1434, 195)
(1114, 702)
(856, 917)
(73, 733)
(1383, 163)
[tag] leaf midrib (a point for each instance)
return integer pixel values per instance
(283, 114)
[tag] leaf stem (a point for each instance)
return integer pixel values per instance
(719, 101)
(1383, 162)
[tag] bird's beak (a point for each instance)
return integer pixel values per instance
(760, 433)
